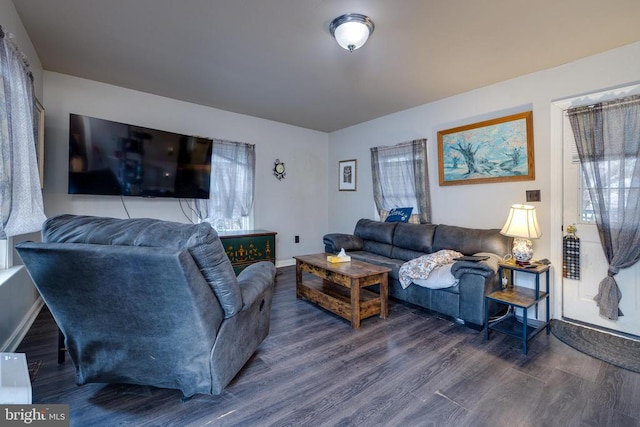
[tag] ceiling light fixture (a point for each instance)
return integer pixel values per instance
(351, 30)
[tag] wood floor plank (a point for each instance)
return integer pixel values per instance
(613, 384)
(562, 400)
(412, 369)
(435, 411)
(511, 401)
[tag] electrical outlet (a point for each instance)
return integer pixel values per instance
(533, 195)
(296, 239)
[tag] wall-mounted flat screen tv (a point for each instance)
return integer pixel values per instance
(110, 158)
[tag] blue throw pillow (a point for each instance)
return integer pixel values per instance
(399, 215)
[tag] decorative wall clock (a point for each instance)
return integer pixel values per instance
(278, 169)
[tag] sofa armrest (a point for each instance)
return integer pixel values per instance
(254, 281)
(463, 267)
(333, 242)
(476, 279)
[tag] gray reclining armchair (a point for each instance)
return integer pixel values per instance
(150, 302)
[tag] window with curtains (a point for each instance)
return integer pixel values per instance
(230, 204)
(401, 179)
(21, 207)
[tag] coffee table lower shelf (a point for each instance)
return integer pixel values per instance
(337, 299)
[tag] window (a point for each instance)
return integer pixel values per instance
(5, 250)
(615, 186)
(400, 178)
(230, 204)
(585, 207)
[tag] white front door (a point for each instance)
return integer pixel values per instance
(577, 295)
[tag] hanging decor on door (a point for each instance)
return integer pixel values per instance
(571, 254)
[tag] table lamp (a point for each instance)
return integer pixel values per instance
(522, 225)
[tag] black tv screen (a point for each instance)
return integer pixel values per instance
(111, 158)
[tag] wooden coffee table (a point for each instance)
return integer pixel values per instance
(338, 287)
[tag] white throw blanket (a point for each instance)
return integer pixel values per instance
(419, 268)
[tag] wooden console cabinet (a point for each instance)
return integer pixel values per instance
(248, 246)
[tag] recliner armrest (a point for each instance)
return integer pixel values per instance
(254, 281)
(333, 242)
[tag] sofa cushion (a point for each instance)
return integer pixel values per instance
(421, 268)
(375, 231)
(201, 240)
(470, 240)
(417, 237)
(383, 249)
(405, 254)
(377, 237)
(393, 264)
(439, 278)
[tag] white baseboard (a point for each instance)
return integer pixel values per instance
(12, 343)
(285, 263)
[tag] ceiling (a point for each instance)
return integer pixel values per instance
(275, 59)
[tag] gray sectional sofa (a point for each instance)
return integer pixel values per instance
(392, 244)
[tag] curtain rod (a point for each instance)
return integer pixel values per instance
(631, 99)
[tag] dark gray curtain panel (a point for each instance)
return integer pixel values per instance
(607, 136)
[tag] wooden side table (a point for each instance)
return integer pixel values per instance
(520, 297)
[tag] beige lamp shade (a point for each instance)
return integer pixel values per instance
(522, 225)
(522, 222)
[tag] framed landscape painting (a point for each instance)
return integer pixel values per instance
(497, 150)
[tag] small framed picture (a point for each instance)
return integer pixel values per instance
(347, 175)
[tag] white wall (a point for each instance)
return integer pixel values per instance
(20, 303)
(483, 205)
(19, 300)
(294, 206)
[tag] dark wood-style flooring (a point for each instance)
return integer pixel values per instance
(413, 369)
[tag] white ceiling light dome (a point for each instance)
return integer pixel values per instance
(352, 30)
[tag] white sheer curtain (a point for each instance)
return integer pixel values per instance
(232, 185)
(21, 207)
(401, 178)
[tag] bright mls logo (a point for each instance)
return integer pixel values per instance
(34, 415)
